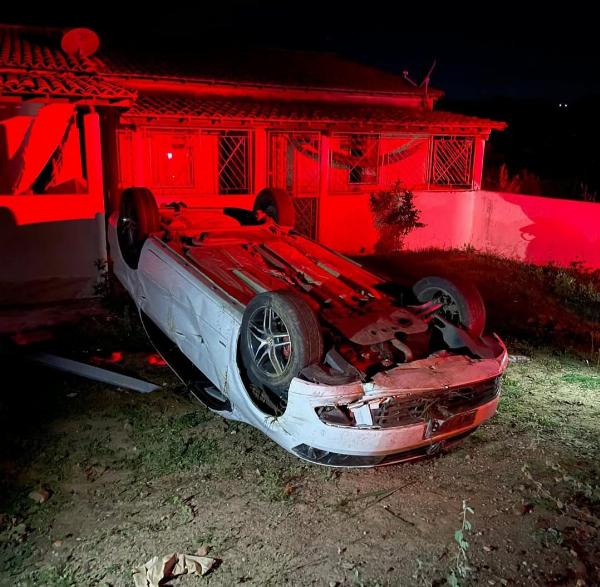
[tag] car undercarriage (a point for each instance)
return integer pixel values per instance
(281, 326)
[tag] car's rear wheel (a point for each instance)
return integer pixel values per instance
(462, 302)
(138, 218)
(278, 205)
(279, 337)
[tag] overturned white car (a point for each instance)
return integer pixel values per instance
(332, 362)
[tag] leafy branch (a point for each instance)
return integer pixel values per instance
(461, 567)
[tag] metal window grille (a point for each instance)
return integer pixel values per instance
(452, 161)
(403, 158)
(294, 162)
(294, 166)
(354, 161)
(233, 167)
(306, 216)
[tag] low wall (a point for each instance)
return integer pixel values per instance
(537, 229)
(531, 228)
(49, 246)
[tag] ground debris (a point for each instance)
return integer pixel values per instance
(40, 495)
(519, 358)
(157, 570)
(202, 550)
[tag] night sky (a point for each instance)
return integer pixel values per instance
(482, 51)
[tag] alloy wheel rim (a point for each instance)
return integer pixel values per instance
(269, 341)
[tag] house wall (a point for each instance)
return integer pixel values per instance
(320, 169)
(534, 229)
(50, 242)
(348, 225)
(180, 163)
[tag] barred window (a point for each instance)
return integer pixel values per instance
(452, 161)
(234, 163)
(294, 162)
(354, 161)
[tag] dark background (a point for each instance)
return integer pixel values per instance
(509, 61)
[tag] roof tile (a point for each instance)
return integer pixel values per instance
(62, 86)
(33, 64)
(23, 47)
(180, 106)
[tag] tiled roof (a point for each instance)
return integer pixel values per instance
(38, 48)
(63, 86)
(33, 64)
(296, 69)
(183, 106)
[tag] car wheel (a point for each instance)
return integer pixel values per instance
(138, 218)
(278, 205)
(280, 336)
(462, 302)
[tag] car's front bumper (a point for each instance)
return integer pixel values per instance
(365, 441)
(369, 448)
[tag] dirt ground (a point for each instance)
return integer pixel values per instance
(131, 476)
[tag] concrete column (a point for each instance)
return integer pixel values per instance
(322, 208)
(478, 153)
(93, 159)
(261, 179)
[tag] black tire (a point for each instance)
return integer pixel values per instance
(138, 218)
(279, 336)
(278, 205)
(463, 304)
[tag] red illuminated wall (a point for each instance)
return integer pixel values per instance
(538, 229)
(51, 212)
(531, 228)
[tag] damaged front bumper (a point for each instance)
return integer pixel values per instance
(409, 412)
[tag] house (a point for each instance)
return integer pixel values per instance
(79, 122)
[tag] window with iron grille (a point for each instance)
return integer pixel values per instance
(306, 216)
(452, 161)
(294, 162)
(354, 161)
(234, 162)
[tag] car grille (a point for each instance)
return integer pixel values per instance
(403, 411)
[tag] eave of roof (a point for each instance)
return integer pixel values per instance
(43, 84)
(183, 107)
(145, 83)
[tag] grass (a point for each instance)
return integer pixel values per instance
(553, 400)
(182, 510)
(53, 576)
(583, 380)
(165, 444)
(554, 396)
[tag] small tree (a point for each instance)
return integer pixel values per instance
(395, 216)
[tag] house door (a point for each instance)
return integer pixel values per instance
(294, 166)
